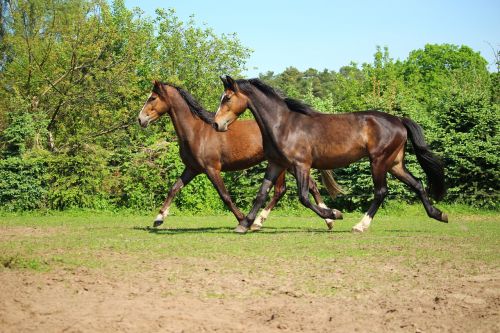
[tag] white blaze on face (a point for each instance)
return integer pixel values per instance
(143, 118)
(220, 103)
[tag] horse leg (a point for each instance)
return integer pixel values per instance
(313, 189)
(216, 179)
(279, 191)
(272, 173)
(400, 172)
(302, 175)
(186, 176)
(379, 175)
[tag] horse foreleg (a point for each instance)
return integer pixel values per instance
(272, 173)
(186, 176)
(379, 175)
(279, 191)
(302, 175)
(216, 179)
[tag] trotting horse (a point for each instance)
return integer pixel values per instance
(204, 150)
(298, 138)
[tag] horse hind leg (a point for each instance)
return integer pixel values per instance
(313, 189)
(400, 172)
(217, 181)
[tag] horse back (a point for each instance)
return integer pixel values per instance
(342, 139)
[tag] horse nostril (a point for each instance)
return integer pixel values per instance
(215, 126)
(139, 120)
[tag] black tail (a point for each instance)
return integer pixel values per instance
(432, 165)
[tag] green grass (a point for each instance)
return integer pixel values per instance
(98, 240)
(293, 251)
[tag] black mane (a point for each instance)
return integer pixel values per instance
(193, 104)
(292, 104)
(196, 108)
(300, 107)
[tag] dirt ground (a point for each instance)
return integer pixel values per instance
(195, 295)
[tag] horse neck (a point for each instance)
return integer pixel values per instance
(186, 124)
(268, 113)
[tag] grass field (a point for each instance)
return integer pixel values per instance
(103, 271)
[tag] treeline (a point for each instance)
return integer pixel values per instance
(75, 73)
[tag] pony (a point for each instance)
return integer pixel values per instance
(298, 138)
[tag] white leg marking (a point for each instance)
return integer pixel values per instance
(363, 225)
(329, 222)
(262, 217)
(161, 216)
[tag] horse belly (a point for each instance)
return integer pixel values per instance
(241, 155)
(337, 158)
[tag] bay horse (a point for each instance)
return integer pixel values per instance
(204, 150)
(298, 138)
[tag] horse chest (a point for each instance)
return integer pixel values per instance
(191, 155)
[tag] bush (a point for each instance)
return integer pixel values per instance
(22, 183)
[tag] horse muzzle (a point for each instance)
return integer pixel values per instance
(220, 127)
(144, 121)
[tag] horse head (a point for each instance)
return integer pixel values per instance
(156, 105)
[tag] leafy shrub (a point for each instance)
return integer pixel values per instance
(22, 183)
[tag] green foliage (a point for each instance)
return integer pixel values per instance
(74, 74)
(77, 182)
(22, 183)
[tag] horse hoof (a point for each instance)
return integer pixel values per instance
(357, 230)
(329, 223)
(157, 223)
(256, 227)
(240, 229)
(444, 217)
(338, 214)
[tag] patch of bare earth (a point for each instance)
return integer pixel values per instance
(9, 233)
(199, 295)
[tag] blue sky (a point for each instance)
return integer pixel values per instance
(329, 34)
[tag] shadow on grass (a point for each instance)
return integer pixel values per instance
(410, 231)
(229, 230)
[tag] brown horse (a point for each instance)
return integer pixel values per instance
(298, 138)
(204, 150)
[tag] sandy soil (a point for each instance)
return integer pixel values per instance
(191, 295)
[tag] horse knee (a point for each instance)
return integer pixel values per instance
(381, 193)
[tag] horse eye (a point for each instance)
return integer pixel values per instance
(152, 98)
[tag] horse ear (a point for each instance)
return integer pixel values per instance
(159, 88)
(231, 84)
(224, 81)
